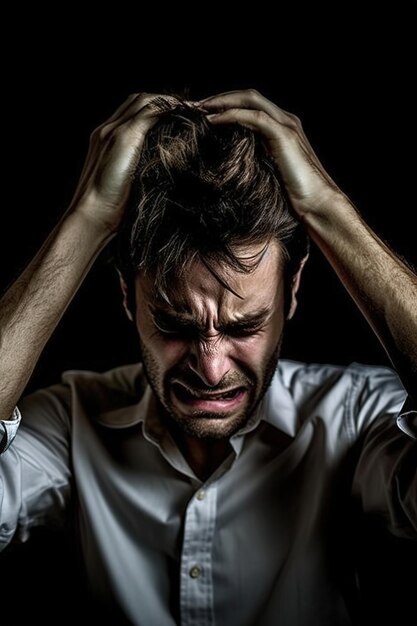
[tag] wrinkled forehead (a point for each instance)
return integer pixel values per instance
(221, 288)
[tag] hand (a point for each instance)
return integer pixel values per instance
(113, 155)
(308, 185)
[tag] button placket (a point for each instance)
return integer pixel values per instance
(196, 585)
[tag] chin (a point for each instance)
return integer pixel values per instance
(208, 426)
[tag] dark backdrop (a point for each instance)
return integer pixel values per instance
(359, 118)
(353, 91)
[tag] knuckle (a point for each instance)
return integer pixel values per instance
(143, 98)
(98, 134)
(253, 93)
(292, 134)
(261, 116)
(295, 120)
(135, 99)
(292, 121)
(103, 132)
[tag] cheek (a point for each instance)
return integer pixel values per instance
(166, 353)
(253, 353)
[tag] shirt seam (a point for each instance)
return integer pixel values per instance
(350, 403)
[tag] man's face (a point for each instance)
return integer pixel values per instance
(210, 357)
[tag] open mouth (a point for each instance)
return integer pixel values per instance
(220, 400)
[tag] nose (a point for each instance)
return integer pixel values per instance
(209, 360)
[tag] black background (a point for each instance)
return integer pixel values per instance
(350, 80)
(353, 91)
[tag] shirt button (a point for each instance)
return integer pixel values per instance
(195, 571)
(200, 495)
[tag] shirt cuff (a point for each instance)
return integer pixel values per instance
(8, 430)
(408, 423)
(407, 419)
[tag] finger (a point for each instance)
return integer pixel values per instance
(133, 104)
(286, 145)
(93, 149)
(273, 131)
(122, 108)
(121, 156)
(133, 123)
(130, 107)
(141, 120)
(249, 99)
(129, 136)
(256, 120)
(220, 95)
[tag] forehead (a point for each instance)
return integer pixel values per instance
(199, 289)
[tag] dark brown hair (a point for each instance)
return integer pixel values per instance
(199, 190)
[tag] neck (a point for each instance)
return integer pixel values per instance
(204, 457)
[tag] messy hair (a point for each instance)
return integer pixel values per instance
(199, 192)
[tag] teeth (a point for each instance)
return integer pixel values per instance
(230, 394)
(221, 396)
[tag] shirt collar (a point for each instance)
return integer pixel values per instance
(280, 409)
(127, 416)
(277, 408)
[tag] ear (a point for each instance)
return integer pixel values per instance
(296, 279)
(125, 292)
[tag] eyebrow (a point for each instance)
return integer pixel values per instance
(248, 320)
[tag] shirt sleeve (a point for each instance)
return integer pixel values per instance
(34, 464)
(8, 430)
(385, 479)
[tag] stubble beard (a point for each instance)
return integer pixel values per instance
(203, 424)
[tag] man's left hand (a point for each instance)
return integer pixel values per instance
(308, 185)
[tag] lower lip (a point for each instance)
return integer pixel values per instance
(224, 405)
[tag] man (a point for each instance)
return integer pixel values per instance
(213, 483)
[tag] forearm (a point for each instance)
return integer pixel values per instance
(383, 287)
(380, 283)
(34, 304)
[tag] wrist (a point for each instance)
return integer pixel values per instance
(332, 206)
(86, 212)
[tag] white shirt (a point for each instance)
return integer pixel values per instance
(264, 541)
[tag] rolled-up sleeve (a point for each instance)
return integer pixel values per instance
(8, 430)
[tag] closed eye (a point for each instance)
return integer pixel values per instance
(175, 328)
(241, 331)
(188, 330)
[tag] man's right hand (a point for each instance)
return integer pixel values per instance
(32, 307)
(113, 155)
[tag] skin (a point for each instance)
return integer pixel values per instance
(220, 343)
(33, 306)
(382, 286)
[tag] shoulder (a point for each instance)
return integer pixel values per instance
(86, 391)
(355, 394)
(115, 387)
(319, 375)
